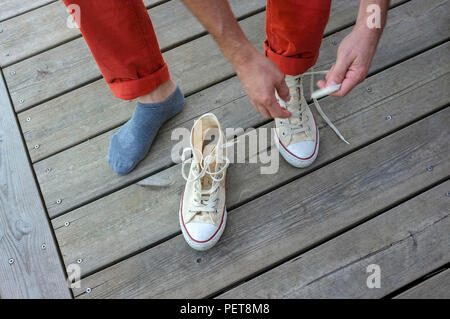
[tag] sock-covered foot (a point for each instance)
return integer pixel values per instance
(132, 142)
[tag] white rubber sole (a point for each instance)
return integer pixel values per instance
(291, 159)
(203, 245)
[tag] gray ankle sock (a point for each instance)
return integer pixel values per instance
(132, 142)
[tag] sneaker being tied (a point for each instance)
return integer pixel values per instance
(202, 211)
(297, 137)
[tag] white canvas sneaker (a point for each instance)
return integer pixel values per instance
(203, 213)
(297, 137)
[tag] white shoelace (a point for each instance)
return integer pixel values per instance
(300, 113)
(204, 200)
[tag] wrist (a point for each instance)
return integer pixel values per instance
(371, 32)
(367, 35)
(242, 56)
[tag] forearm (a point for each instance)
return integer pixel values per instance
(218, 19)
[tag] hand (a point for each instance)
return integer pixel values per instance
(354, 58)
(260, 77)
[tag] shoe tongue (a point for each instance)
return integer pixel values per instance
(295, 95)
(208, 159)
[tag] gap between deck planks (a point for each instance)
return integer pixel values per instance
(406, 242)
(71, 64)
(88, 119)
(435, 287)
(13, 8)
(27, 269)
(152, 212)
(268, 230)
(81, 174)
(36, 31)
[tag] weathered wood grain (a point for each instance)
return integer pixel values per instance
(406, 243)
(70, 65)
(37, 31)
(436, 287)
(12, 8)
(151, 212)
(27, 270)
(81, 173)
(287, 220)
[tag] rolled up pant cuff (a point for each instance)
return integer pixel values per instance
(289, 65)
(131, 89)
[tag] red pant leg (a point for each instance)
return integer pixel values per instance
(120, 35)
(294, 31)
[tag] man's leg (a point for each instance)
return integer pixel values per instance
(294, 31)
(122, 40)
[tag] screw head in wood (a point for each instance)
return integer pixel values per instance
(43, 246)
(369, 89)
(21, 101)
(429, 168)
(12, 72)
(48, 170)
(66, 224)
(79, 261)
(389, 117)
(88, 290)
(11, 261)
(28, 119)
(58, 201)
(447, 194)
(36, 146)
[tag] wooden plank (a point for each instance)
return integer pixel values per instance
(436, 287)
(12, 8)
(81, 173)
(37, 31)
(96, 227)
(33, 32)
(26, 269)
(406, 243)
(287, 220)
(70, 65)
(36, 79)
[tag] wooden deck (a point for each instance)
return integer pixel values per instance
(384, 199)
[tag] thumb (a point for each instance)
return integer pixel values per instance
(283, 90)
(338, 71)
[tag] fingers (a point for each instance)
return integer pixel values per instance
(351, 80)
(339, 70)
(269, 108)
(275, 110)
(322, 84)
(263, 112)
(283, 90)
